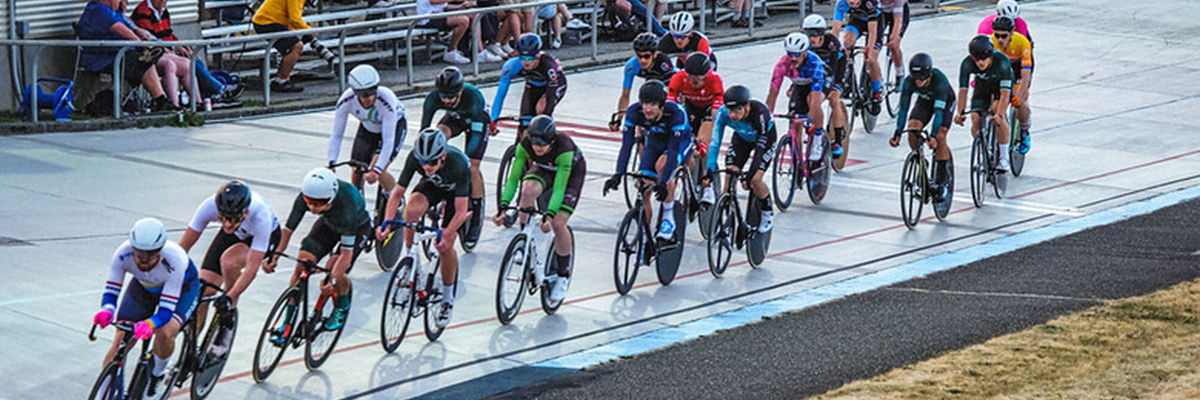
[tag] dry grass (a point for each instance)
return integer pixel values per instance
(1138, 348)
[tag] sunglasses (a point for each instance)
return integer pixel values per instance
(232, 218)
(432, 162)
(814, 32)
(315, 202)
(645, 55)
(145, 256)
(1001, 36)
(797, 55)
(447, 96)
(528, 58)
(678, 36)
(364, 93)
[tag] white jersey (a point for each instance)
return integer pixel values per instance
(381, 118)
(260, 223)
(892, 6)
(166, 279)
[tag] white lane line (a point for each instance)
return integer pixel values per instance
(1023, 205)
(1000, 294)
(49, 297)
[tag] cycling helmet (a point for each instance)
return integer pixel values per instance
(736, 96)
(541, 130)
(1008, 8)
(644, 42)
(148, 234)
(814, 25)
(653, 92)
(528, 45)
(697, 64)
(430, 145)
(320, 184)
(449, 81)
(681, 23)
(981, 47)
(233, 198)
(920, 66)
(796, 43)
(1003, 24)
(363, 78)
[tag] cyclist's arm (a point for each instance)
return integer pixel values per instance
(675, 86)
(872, 33)
(511, 68)
(565, 163)
(762, 124)
(520, 158)
(939, 113)
(632, 67)
(388, 142)
(777, 74)
(703, 47)
(478, 109)
(714, 146)
(431, 107)
(680, 131)
(1006, 82)
(205, 214)
(402, 181)
(627, 139)
(460, 217)
(171, 290)
(116, 279)
(906, 92)
(718, 89)
(341, 113)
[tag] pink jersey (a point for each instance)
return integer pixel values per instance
(985, 27)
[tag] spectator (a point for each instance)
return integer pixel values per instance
(153, 16)
(281, 16)
(458, 24)
(741, 13)
(101, 21)
(558, 13)
(636, 9)
(510, 29)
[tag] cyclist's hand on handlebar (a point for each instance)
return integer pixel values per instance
(707, 178)
(546, 226)
(103, 318)
(895, 140)
(143, 330)
(612, 183)
(381, 232)
(493, 129)
(997, 118)
(447, 242)
(959, 119)
(269, 263)
(372, 176)
(614, 123)
(933, 143)
(498, 219)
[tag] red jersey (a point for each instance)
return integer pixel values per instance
(711, 93)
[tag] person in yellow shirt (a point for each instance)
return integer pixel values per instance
(282, 16)
(1020, 52)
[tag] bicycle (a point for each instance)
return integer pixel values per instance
(916, 187)
(289, 325)
(412, 290)
(633, 249)
(985, 153)
(523, 270)
(110, 385)
(792, 167)
(1015, 157)
(858, 90)
(732, 230)
(387, 252)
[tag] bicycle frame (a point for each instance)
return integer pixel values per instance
(117, 385)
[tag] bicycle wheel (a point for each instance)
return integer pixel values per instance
(783, 173)
(979, 169)
(629, 184)
(432, 332)
(549, 306)
(912, 190)
(1015, 157)
(840, 162)
(720, 240)
(208, 368)
(108, 385)
(513, 279)
(138, 380)
(397, 306)
(502, 177)
(468, 246)
(321, 341)
(999, 180)
(184, 347)
(891, 88)
(277, 333)
(627, 256)
(818, 179)
(851, 101)
(864, 87)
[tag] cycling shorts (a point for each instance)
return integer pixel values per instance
(223, 241)
(139, 304)
(477, 142)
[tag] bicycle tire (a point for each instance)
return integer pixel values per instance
(502, 178)
(851, 96)
(942, 210)
(979, 170)
(998, 179)
(912, 191)
(397, 307)
(550, 307)
(720, 240)
(320, 338)
(817, 185)
(839, 163)
(262, 370)
(208, 372)
(891, 94)
(112, 391)
(864, 86)
(1015, 157)
(432, 332)
(783, 173)
(516, 254)
(467, 245)
(138, 380)
(630, 251)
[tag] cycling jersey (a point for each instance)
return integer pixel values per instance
(168, 279)
(867, 10)
(833, 55)
(469, 115)
(892, 6)
(453, 177)
(382, 118)
(1019, 52)
(710, 94)
(669, 134)
(754, 128)
(548, 75)
(812, 72)
(563, 163)
(346, 216)
(937, 91)
(696, 42)
(985, 27)
(997, 76)
(259, 224)
(660, 70)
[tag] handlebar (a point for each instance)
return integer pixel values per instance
(416, 226)
(527, 210)
(791, 117)
(353, 163)
(306, 263)
(124, 326)
(981, 111)
(206, 285)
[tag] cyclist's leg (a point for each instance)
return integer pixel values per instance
(651, 153)
(563, 241)
(532, 100)
(449, 257)
(417, 204)
(1001, 120)
(366, 146)
(532, 185)
(873, 50)
(386, 180)
(764, 156)
(136, 304)
(849, 37)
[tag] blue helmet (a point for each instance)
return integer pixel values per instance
(529, 45)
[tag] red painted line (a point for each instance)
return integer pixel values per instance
(744, 262)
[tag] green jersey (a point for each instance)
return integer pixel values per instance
(471, 108)
(347, 215)
(454, 176)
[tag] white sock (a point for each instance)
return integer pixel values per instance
(159, 365)
(1004, 150)
(448, 294)
(668, 206)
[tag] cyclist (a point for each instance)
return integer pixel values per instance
(754, 134)
(993, 85)
(381, 124)
(343, 224)
(1006, 8)
(466, 112)
(545, 83)
(698, 89)
(445, 179)
(935, 99)
(249, 231)
(863, 16)
(833, 55)
(163, 275)
(806, 91)
(648, 63)
(668, 141)
(684, 41)
(1020, 55)
(556, 164)
(894, 17)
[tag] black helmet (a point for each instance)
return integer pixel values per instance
(653, 92)
(541, 130)
(644, 42)
(449, 82)
(981, 47)
(697, 64)
(920, 66)
(736, 96)
(529, 45)
(233, 198)
(1003, 24)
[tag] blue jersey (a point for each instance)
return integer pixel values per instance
(548, 74)
(671, 131)
(661, 70)
(867, 10)
(753, 128)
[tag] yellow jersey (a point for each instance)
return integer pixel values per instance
(1018, 49)
(288, 13)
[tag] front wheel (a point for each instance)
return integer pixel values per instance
(397, 306)
(514, 275)
(818, 178)
(108, 386)
(912, 190)
(630, 249)
(783, 173)
(979, 169)
(721, 239)
(502, 178)
(891, 88)
(321, 340)
(277, 333)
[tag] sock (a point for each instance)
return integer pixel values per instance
(564, 265)
(279, 80)
(342, 301)
(668, 206)
(1028, 121)
(288, 311)
(160, 364)
(448, 293)
(1004, 151)
(765, 203)
(874, 86)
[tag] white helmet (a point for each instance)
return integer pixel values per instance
(815, 21)
(681, 23)
(796, 42)
(1008, 8)
(363, 77)
(148, 234)
(320, 183)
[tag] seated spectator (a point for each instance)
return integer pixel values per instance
(636, 9)
(741, 13)
(153, 16)
(101, 21)
(457, 24)
(558, 13)
(282, 16)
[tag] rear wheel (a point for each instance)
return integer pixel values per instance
(1015, 157)
(864, 87)
(783, 173)
(277, 333)
(432, 331)
(549, 306)
(912, 190)
(627, 257)
(321, 341)
(513, 279)
(208, 368)
(720, 240)
(891, 88)
(397, 306)
(387, 251)
(107, 386)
